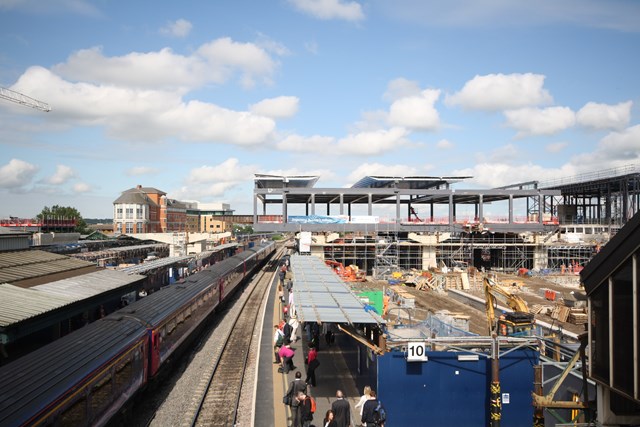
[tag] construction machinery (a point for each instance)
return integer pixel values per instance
(19, 98)
(519, 322)
(350, 273)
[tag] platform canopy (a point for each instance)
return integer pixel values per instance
(283, 181)
(408, 182)
(320, 295)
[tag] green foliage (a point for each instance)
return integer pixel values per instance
(65, 212)
(242, 229)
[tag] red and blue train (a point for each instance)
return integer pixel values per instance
(86, 377)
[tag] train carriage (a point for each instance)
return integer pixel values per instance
(87, 376)
(81, 379)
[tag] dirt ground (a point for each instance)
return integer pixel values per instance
(531, 289)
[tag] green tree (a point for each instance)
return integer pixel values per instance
(66, 212)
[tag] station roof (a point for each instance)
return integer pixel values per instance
(19, 304)
(408, 182)
(320, 295)
(21, 265)
(162, 262)
(281, 181)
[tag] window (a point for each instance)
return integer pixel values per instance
(119, 213)
(139, 211)
(129, 213)
(140, 228)
(129, 229)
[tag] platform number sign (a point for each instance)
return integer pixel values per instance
(417, 352)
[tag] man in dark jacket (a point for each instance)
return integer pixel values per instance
(369, 409)
(295, 387)
(304, 409)
(342, 410)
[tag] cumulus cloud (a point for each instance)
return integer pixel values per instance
(623, 146)
(17, 174)
(604, 116)
(214, 62)
(81, 187)
(496, 174)
(495, 92)
(281, 107)
(309, 144)
(330, 9)
(379, 169)
(534, 121)
(143, 115)
(62, 175)
(401, 88)
(374, 142)
(416, 112)
(180, 28)
(214, 181)
(142, 170)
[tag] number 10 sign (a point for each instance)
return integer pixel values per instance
(417, 352)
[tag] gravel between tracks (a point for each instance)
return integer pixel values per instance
(179, 401)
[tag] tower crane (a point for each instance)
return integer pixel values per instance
(19, 98)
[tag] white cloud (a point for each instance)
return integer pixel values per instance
(445, 144)
(309, 144)
(374, 142)
(214, 181)
(401, 88)
(495, 92)
(142, 170)
(618, 146)
(213, 62)
(180, 28)
(143, 115)
(378, 169)
(495, 174)
(416, 112)
(281, 107)
(62, 175)
(604, 116)
(330, 9)
(17, 174)
(81, 187)
(535, 121)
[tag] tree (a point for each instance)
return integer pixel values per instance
(65, 212)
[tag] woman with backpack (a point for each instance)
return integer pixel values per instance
(373, 412)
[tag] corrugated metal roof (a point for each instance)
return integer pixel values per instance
(88, 285)
(320, 295)
(15, 266)
(17, 304)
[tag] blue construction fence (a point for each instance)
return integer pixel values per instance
(445, 391)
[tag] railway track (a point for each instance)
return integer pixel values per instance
(221, 385)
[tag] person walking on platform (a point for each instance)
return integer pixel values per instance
(315, 334)
(296, 386)
(329, 419)
(363, 399)
(368, 417)
(293, 321)
(278, 341)
(287, 330)
(312, 364)
(304, 409)
(342, 410)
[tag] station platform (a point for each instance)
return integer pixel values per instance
(338, 370)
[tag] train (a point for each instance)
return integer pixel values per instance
(87, 377)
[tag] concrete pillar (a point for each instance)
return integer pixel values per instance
(313, 204)
(540, 257)
(429, 257)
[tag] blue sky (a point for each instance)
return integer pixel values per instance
(194, 97)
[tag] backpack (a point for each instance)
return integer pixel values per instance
(313, 404)
(379, 414)
(280, 340)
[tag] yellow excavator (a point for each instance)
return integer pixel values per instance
(516, 323)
